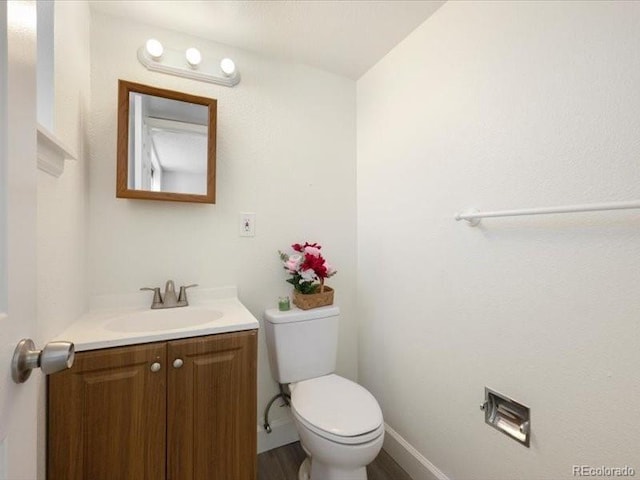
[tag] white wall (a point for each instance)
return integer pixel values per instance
(62, 201)
(502, 105)
(286, 150)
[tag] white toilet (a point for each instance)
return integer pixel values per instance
(339, 422)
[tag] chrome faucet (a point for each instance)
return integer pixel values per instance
(169, 299)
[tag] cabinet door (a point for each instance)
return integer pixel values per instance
(212, 408)
(107, 416)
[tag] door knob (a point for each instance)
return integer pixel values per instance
(54, 357)
(177, 363)
(155, 367)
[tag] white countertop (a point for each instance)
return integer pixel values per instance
(95, 330)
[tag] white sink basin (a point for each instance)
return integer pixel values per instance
(165, 319)
(120, 320)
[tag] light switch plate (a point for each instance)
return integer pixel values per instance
(247, 224)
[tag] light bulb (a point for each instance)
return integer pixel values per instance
(154, 48)
(228, 67)
(194, 57)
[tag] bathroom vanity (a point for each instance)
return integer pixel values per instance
(180, 408)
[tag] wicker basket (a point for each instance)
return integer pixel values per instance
(313, 300)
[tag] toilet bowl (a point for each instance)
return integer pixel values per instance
(340, 427)
(332, 461)
(339, 422)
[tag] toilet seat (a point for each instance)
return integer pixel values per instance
(337, 409)
(355, 440)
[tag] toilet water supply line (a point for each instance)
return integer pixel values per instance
(285, 396)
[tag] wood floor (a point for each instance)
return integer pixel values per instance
(283, 463)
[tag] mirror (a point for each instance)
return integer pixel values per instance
(166, 144)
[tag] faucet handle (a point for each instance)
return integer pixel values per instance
(182, 297)
(157, 298)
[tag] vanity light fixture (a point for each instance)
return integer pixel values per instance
(228, 67)
(154, 48)
(157, 58)
(194, 57)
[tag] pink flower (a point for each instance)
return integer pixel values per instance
(314, 251)
(293, 264)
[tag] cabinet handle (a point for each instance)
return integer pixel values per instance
(155, 367)
(177, 363)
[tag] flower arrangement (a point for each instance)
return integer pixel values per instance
(308, 268)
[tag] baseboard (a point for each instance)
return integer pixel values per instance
(412, 461)
(283, 432)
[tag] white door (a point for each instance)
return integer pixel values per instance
(18, 403)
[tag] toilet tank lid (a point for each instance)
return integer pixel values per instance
(273, 315)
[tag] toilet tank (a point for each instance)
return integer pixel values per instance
(302, 344)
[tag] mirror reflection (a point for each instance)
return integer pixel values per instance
(167, 145)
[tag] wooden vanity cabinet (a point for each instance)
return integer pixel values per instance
(211, 431)
(116, 416)
(107, 416)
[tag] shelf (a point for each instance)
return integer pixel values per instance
(52, 152)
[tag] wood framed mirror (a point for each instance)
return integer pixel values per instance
(166, 145)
